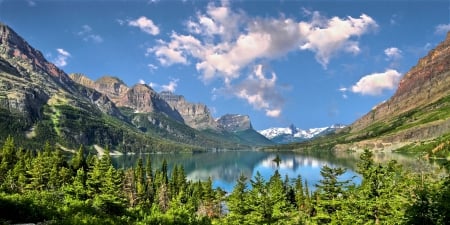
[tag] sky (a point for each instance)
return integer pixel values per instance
(309, 63)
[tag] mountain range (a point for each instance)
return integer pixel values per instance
(283, 135)
(40, 102)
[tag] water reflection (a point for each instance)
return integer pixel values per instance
(224, 167)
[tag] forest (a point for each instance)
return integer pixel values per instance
(43, 186)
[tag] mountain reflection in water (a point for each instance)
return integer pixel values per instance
(224, 167)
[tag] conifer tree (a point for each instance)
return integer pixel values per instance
(237, 202)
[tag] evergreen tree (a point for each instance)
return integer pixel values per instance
(140, 181)
(237, 202)
(259, 204)
(330, 192)
(8, 158)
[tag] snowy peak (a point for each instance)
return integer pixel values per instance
(293, 134)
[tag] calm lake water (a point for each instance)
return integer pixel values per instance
(224, 167)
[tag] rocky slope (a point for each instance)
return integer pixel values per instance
(416, 118)
(29, 81)
(39, 103)
(418, 111)
(234, 122)
(195, 115)
(147, 105)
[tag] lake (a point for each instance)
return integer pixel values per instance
(224, 167)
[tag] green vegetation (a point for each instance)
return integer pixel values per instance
(434, 112)
(40, 186)
(71, 125)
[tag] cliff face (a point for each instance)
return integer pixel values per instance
(194, 115)
(234, 122)
(143, 98)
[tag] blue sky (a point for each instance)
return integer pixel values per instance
(307, 63)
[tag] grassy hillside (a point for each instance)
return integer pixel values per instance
(427, 126)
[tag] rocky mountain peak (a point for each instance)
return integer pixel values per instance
(195, 115)
(234, 122)
(111, 86)
(82, 79)
(12, 46)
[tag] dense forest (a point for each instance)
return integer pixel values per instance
(42, 186)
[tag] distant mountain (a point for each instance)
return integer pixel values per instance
(293, 134)
(195, 115)
(242, 127)
(170, 115)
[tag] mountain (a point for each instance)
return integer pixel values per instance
(170, 115)
(234, 122)
(241, 126)
(39, 102)
(195, 115)
(416, 118)
(293, 134)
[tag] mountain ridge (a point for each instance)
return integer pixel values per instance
(39, 102)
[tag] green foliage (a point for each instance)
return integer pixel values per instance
(41, 186)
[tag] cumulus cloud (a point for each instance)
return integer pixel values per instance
(326, 37)
(144, 24)
(260, 91)
(376, 83)
(141, 81)
(61, 58)
(442, 28)
(222, 43)
(88, 34)
(393, 53)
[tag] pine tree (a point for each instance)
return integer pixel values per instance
(237, 202)
(8, 158)
(259, 204)
(140, 181)
(329, 192)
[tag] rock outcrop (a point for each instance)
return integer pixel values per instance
(142, 98)
(195, 115)
(234, 122)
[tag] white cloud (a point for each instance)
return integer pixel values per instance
(393, 53)
(326, 37)
(88, 35)
(61, 59)
(376, 83)
(141, 81)
(146, 25)
(442, 28)
(222, 43)
(171, 86)
(259, 91)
